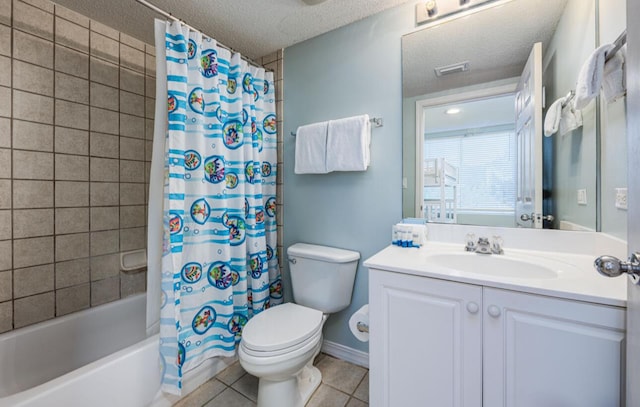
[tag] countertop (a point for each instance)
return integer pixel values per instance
(576, 277)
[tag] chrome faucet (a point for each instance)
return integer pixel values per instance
(483, 246)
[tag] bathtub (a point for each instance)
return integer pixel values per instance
(97, 357)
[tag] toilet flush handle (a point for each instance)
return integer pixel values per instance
(292, 260)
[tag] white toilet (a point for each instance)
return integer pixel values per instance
(278, 345)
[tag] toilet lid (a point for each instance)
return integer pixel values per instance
(281, 327)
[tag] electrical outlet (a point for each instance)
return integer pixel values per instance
(582, 197)
(621, 198)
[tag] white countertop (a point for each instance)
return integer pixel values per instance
(576, 277)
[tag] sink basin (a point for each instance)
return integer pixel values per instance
(493, 265)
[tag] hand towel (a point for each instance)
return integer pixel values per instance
(348, 144)
(311, 149)
(552, 118)
(570, 118)
(590, 77)
(613, 86)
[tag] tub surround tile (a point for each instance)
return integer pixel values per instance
(132, 171)
(105, 194)
(32, 136)
(132, 239)
(148, 129)
(104, 72)
(104, 47)
(69, 247)
(132, 58)
(72, 167)
(5, 163)
(5, 12)
(6, 316)
(132, 194)
(104, 169)
(45, 5)
(32, 107)
(71, 141)
(104, 96)
(132, 81)
(5, 225)
(131, 103)
(6, 250)
(132, 126)
(71, 62)
(32, 20)
(130, 148)
(32, 280)
(132, 216)
(104, 30)
(28, 194)
(105, 266)
(72, 220)
(32, 165)
(73, 272)
(149, 108)
(74, 115)
(5, 102)
(105, 121)
(131, 284)
(71, 15)
(71, 194)
(72, 88)
(5, 71)
(132, 42)
(105, 242)
(104, 145)
(6, 291)
(32, 223)
(104, 291)
(150, 65)
(32, 78)
(33, 309)
(106, 218)
(5, 40)
(150, 87)
(72, 299)
(32, 49)
(72, 35)
(5, 132)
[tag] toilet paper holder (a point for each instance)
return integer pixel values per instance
(362, 327)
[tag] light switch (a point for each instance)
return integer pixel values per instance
(582, 197)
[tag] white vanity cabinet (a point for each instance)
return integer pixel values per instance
(443, 343)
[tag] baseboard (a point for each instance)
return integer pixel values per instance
(357, 357)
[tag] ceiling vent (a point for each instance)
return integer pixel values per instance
(453, 68)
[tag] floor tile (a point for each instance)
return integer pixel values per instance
(362, 392)
(229, 375)
(341, 375)
(202, 394)
(353, 402)
(230, 398)
(327, 396)
(247, 385)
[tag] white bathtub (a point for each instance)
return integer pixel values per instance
(97, 357)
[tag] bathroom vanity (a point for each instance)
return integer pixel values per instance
(527, 328)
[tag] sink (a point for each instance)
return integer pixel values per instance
(493, 265)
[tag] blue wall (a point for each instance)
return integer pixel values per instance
(352, 70)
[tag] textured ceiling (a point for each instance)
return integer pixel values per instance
(252, 27)
(496, 42)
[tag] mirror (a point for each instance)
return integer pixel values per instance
(495, 44)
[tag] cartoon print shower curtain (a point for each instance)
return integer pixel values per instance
(219, 264)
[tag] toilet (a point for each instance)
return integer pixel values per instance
(279, 344)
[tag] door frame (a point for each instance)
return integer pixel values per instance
(467, 96)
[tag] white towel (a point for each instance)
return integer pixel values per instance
(348, 144)
(590, 77)
(570, 118)
(552, 118)
(311, 149)
(613, 86)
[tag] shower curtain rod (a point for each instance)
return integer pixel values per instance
(172, 17)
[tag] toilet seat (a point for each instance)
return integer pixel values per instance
(281, 329)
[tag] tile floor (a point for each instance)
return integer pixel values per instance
(343, 385)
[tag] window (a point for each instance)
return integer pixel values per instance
(486, 161)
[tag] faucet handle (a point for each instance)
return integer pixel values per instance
(496, 244)
(470, 240)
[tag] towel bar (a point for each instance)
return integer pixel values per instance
(376, 121)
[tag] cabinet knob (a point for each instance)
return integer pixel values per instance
(494, 311)
(472, 307)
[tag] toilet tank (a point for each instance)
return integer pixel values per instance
(322, 277)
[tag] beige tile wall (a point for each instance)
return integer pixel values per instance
(274, 62)
(76, 122)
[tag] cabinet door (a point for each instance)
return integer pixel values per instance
(542, 351)
(425, 342)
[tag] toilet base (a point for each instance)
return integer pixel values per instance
(293, 392)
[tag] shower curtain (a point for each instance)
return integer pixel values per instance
(219, 261)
